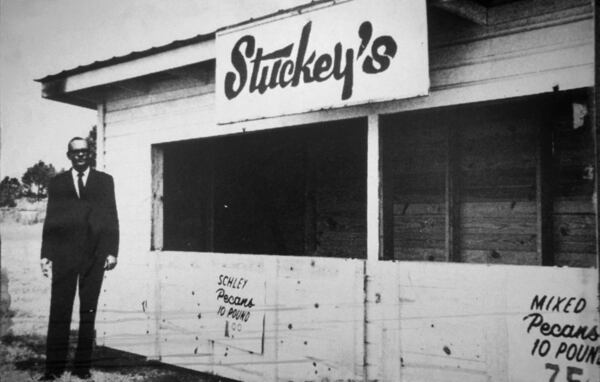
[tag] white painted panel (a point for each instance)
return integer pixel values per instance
(512, 43)
(423, 321)
(373, 189)
(197, 117)
(313, 317)
(377, 51)
(150, 110)
(320, 319)
(514, 67)
(158, 92)
(155, 119)
(457, 322)
(128, 308)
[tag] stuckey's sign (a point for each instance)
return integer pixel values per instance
(259, 72)
(353, 52)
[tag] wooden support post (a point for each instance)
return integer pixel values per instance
(373, 190)
(544, 192)
(595, 104)
(157, 158)
(100, 133)
(387, 199)
(157, 198)
(157, 307)
(452, 193)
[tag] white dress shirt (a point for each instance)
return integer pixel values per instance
(84, 178)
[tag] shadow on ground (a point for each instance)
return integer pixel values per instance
(22, 359)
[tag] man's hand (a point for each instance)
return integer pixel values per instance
(110, 263)
(46, 266)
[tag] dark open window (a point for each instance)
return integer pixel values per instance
(294, 191)
(502, 182)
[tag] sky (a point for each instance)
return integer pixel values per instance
(42, 37)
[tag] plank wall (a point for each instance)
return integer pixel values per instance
(493, 149)
(529, 47)
(414, 155)
(573, 218)
(312, 307)
(466, 322)
(339, 189)
(521, 39)
(162, 108)
(497, 217)
(408, 322)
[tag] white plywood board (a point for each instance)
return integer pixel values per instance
(302, 61)
(128, 306)
(420, 321)
(312, 311)
(467, 322)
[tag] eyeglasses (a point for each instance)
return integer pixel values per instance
(77, 152)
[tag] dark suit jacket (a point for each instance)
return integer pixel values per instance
(78, 228)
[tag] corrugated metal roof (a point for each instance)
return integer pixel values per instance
(128, 57)
(170, 46)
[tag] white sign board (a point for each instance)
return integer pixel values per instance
(555, 336)
(239, 302)
(326, 56)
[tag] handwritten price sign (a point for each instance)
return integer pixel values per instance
(237, 297)
(568, 345)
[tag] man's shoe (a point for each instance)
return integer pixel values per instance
(49, 377)
(82, 374)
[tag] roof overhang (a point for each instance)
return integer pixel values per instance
(86, 85)
(81, 86)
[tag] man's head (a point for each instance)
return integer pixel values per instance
(78, 153)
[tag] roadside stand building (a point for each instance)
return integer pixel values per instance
(390, 190)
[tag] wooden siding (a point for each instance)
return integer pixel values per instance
(456, 322)
(495, 182)
(309, 332)
(415, 309)
(425, 321)
(573, 219)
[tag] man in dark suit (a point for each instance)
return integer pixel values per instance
(79, 242)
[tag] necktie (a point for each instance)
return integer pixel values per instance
(80, 185)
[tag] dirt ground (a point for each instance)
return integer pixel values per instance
(24, 323)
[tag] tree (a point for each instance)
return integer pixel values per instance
(36, 179)
(10, 189)
(91, 139)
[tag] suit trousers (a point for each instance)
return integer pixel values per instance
(89, 271)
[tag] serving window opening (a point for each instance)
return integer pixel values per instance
(295, 191)
(502, 182)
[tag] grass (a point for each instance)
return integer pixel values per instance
(24, 319)
(22, 359)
